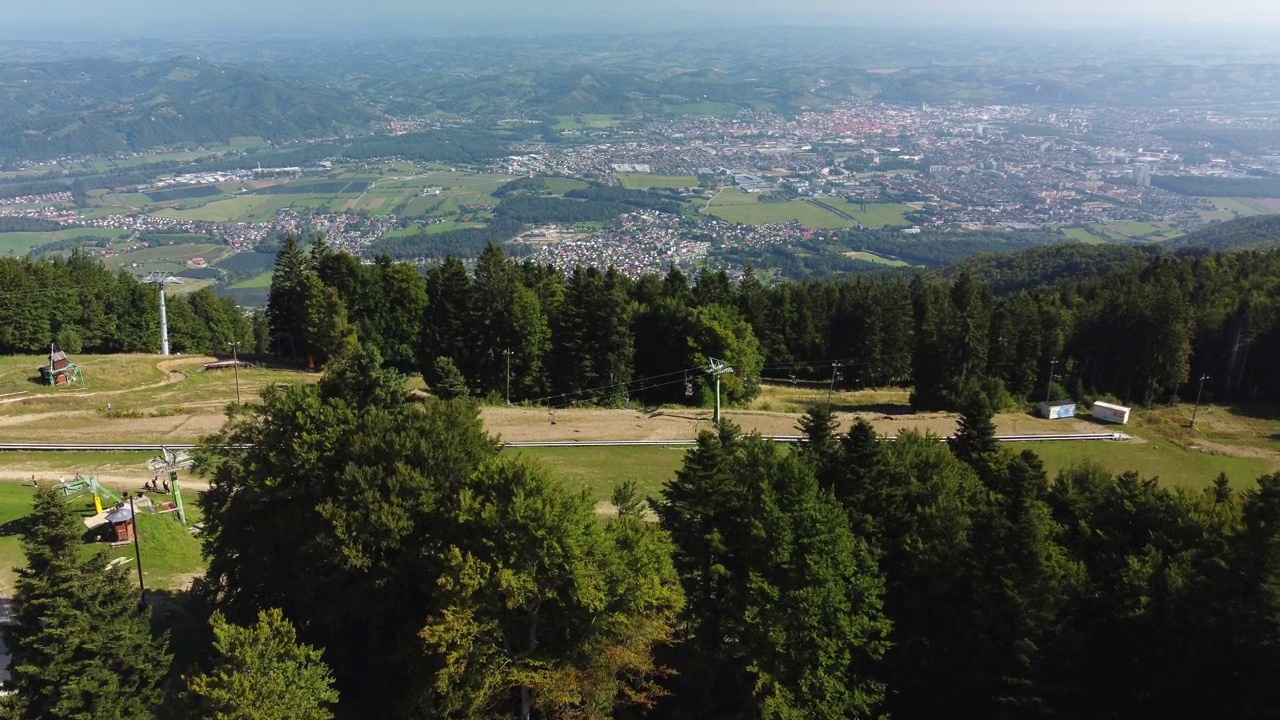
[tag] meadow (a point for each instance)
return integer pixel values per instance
(20, 243)
(642, 181)
(876, 214)
(737, 206)
(872, 257)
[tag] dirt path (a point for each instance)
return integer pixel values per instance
(531, 425)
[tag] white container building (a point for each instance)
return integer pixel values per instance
(1106, 412)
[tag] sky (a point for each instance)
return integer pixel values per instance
(74, 19)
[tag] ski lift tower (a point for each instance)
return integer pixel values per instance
(717, 368)
(160, 279)
(171, 462)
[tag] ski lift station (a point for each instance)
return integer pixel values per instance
(1106, 412)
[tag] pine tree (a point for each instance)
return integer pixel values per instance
(976, 434)
(81, 648)
(287, 302)
(449, 383)
(262, 673)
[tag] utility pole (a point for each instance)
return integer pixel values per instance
(235, 360)
(1048, 389)
(1196, 409)
(508, 354)
(835, 367)
(717, 368)
(137, 554)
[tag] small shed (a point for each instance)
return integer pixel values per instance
(1058, 410)
(1106, 412)
(121, 520)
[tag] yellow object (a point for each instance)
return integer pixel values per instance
(97, 503)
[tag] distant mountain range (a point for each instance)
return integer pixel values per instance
(50, 110)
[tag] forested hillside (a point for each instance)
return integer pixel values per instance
(845, 579)
(97, 107)
(81, 306)
(1138, 327)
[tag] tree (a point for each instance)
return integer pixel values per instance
(261, 672)
(542, 610)
(287, 302)
(444, 326)
(327, 331)
(81, 647)
(784, 606)
(449, 383)
(976, 434)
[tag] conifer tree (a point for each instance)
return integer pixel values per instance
(81, 647)
(976, 434)
(261, 672)
(287, 302)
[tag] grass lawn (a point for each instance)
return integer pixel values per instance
(599, 470)
(170, 553)
(740, 207)
(641, 181)
(1175, 466)
(877, 214)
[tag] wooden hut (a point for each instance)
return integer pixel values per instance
(121, 520)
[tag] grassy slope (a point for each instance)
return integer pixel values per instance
(170, 554)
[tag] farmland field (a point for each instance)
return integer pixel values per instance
(640, 181)
(877, 214)
(1083, 236)
(740, 207)
(262, 280)
(586, 122)
(19, 243)
(872, 257)
(228, 210)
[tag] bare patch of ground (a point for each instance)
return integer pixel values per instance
(534, 424)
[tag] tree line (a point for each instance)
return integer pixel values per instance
(1137, 327)
(374, 554)
(79, 305)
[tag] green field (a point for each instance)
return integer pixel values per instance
(586, 122)
(1083, 236)
(262, 280)
(877, 214)
(167, 258)
(641, 181)
(170, 553)
(1227, 208)
(20, 243)
(224, 210)
(599, 470)
(872, 257)
(1175, 466)
(734, 205)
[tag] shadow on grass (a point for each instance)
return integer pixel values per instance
(15, 527)
(1257, 411)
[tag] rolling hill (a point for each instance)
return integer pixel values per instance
(77, 107)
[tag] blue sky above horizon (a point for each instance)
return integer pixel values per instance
(74, 19)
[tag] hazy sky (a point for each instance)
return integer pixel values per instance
(53, 19)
